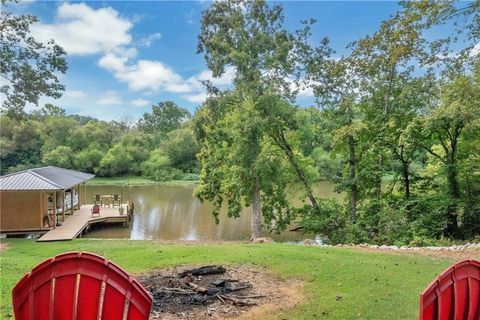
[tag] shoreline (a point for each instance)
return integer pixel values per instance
(136, 181)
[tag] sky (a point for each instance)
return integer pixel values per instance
(123, 56)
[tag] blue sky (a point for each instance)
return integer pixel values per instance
(125, 56)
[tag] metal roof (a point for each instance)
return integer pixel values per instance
(47, 178)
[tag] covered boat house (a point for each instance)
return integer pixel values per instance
(37, 200)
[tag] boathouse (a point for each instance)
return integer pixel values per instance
(36, 200)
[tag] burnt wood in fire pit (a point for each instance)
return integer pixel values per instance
(202, 271)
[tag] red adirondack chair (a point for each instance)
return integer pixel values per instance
(454, 294)
(80, 285)
(95, 210)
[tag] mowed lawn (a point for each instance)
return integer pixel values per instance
(371, 285)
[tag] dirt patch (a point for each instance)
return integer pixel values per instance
(175, 297)
(4, 246)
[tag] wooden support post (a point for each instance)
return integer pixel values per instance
(55, 209)
(84, 193)
(63, 206)
(79, 201)
(71, 199)
(42, 223)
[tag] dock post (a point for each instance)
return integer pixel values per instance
(63, 206)
(72, 189)
(54, 209)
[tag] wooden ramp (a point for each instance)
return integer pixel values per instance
(74, 224)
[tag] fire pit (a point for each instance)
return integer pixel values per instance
(213, 292)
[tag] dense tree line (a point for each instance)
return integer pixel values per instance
(395, 126)
(160, 145)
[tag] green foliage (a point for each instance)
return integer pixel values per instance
(88, 160)
(165, 117)
(57, 130)
(29, 68)
(20, 144)
(61, 157)
(51, 137)
(159, 167)
(181, 149)
(100, 133)
(191, 177)
(115, 162)
(329, 220)
(246, 134)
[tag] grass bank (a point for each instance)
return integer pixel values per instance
(134, 181)
(371, 285)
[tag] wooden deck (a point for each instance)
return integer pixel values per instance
(74, 224)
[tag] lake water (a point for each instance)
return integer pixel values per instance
(172, 213)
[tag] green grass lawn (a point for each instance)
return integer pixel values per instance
(373, 285)
(134, 181)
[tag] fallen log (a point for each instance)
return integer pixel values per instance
(202, 271)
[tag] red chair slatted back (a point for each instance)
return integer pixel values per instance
(454, 294)
(80, 285)
(96, 208)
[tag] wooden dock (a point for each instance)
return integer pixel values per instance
(74, 224)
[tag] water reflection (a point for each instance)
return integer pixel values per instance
(172, 213)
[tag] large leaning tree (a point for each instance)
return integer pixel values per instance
(29, 69)
(245, 154)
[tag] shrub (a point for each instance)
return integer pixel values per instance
(61, 157)
(159, 168)
(115, 162)
(88, 160)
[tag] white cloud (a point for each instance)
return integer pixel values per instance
(192, 16)
(206, 75)
(305, 90)
(140, 103)
(150, 39)
(195, 82)
(75, 94)
(82, 30)
(116, 60)
(151, 75)
(196, 98)
(110, 98)
(475, 50)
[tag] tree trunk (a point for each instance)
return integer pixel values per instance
(256, 211)
(378, 191)
(406, 178)
(352, 179)
(454, 190)
(298, 170)
(452, 171)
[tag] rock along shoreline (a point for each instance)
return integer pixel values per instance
(462, 247)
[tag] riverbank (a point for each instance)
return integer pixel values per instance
(135, 181)
(339, 283)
